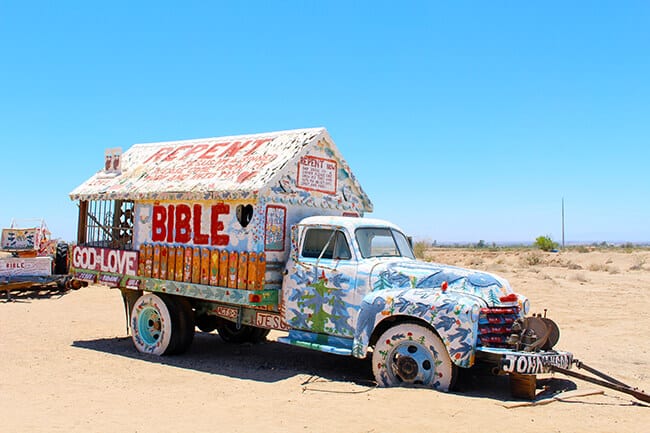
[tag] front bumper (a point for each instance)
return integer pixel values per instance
(512, 361)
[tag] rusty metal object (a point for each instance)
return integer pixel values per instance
(608, 382)
(553, 334)
(534, 333)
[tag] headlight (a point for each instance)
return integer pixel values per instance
(474, 314)
(525, 307)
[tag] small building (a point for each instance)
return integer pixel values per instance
(236, 194)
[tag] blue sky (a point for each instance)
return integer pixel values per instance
(462, 120)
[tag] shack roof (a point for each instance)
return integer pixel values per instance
(233, 167)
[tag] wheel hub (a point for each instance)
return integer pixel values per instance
(407, 368)
(150, 326)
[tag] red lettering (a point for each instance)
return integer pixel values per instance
(234, 148)
(170, 224)
(209, 154)
(195, 149)
(243, 176)
(183, 229)
(257, 144)
(174, 153)
(216, 226)
(159, 217)
(158, 154)
(182, 223)
(199, 238)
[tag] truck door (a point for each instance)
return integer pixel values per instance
(319, 291)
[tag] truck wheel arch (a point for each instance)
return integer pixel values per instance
(395, 320)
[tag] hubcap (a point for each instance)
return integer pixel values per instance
(407, 368)
(412, 363)
(149, 325)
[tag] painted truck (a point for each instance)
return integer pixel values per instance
(32, 258)
(253, 233)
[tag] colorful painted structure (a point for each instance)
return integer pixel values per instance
(33, 259)
(256, 232)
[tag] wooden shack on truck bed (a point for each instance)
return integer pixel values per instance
(208, 212)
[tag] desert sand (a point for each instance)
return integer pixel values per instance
(68, 365)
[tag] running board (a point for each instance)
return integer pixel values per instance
(320, 342)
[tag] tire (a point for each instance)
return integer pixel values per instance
(186, 321)
(412, 355)
(245, 334)
(161, 324)
(207, 322)
(61, 259)
(259, 334)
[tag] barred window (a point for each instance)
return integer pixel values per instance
(106, 223)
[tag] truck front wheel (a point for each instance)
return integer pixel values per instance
(161, 325)
(411, 354)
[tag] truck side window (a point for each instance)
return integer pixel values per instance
(316, 240)
(382, 242)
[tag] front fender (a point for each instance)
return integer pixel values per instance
(454, 316)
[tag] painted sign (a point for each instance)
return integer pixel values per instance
(271, 321)
(276, 218)
(20, 239)
(195, 161)
(181, 223)
(317, 174)
(113, 160)
(32, 267)
(227, 312)
(105, 260)
(533, 363)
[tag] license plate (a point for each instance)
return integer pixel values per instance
(535, 363)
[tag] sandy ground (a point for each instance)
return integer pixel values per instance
(68, 365)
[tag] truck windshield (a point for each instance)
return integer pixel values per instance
(383, 242)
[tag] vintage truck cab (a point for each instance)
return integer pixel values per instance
(352, 284)
(252, 233)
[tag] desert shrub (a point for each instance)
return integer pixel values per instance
(474, 261)
(420, 248)
(638, 263)
(545, 243)
(532, 259)
(579, 277)
(582, 249)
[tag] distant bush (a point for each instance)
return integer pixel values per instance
(532, 259)
(545, 243)
(638, 263)
(420, 248)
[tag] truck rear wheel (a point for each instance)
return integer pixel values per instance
(161, 324)
(207, 322)
(229, 333)
(410, 354)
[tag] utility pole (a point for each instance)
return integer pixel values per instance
(562, 222)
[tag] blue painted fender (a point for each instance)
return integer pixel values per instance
(453, 315)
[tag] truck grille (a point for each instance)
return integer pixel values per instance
(495, 325)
